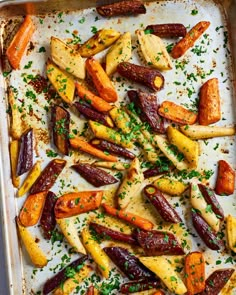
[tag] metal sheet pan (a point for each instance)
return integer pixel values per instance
(61, 18)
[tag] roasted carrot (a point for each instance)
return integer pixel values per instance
(84, 146)
(159, 292)
(195, 272)
(14, 151)
(188, 41)
(76, 203)
(101, 81)
(209, 103)
(30, 179)
(18, 45)
(129, 217)
(90, 290)
(225, 182)
(32, 208)
(176, 113)
(95, 101)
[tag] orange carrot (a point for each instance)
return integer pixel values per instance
(91, 290)
(195, 273)
(176, 113)
(101, 81)
(190, 38)
(97, 102)
(225, 179)
(76, 203)
(32, 208)
(18, 45)
(209, 103)
(84, 146)
(159, 292)
(129, 217)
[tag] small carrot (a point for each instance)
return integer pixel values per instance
(177, 113)
(76, 203)
(30, 179)
(18, 45)
(32, 208)
(209, 103)
(195, 272)
(90, 290)
(84, 146)
(225, 182)
(95, 101)
(190, 38)
(129, 217)
(159, 292)
(14, 151)
(101, 81)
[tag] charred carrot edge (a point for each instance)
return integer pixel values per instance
(195, 272)
(76, 203)
(84, 146)
(225, 182)
(101, 81)
(32, 209)
(95, 101)
(176, 113)
(129, 217)
(188, 41)
(18, 45)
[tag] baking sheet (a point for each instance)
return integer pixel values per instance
(211, 58)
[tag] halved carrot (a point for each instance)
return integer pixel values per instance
(32, 209)
(30, 179)
(14, 151)
(209, 103)
(195, 272)
(225, 182)
(101, 81)
(190, 38)
(177, 113)
(76, 203)
(84, 146)
(90, 290)
(129, 217)
(95, 101)
(18, 45)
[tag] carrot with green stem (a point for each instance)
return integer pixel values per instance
(18, 45)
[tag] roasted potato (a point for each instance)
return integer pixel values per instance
(154, 51)
(119, 52)
(163, 268)
(98, 42)
(169, 186)
(62, 82)
(185, 145)
(67, 226)
(67, 58)
(130, 184)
